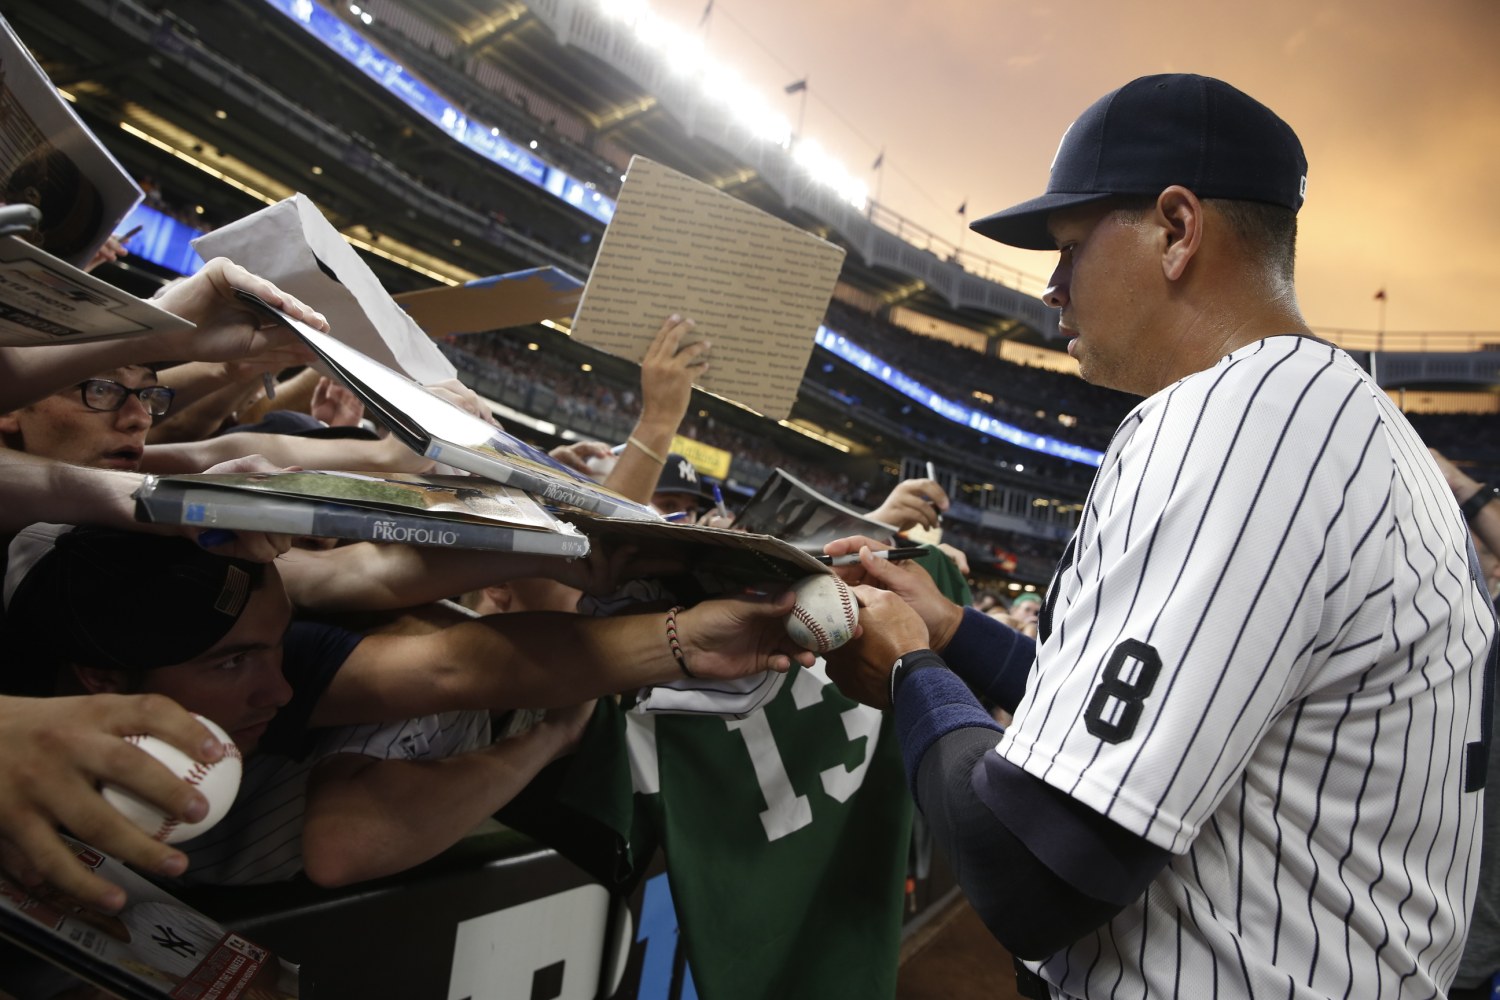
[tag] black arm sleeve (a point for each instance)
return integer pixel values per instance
(1030, 908)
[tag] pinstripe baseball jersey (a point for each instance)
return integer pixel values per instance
(1264, 653)
(260, 840)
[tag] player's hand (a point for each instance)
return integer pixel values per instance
(889, 629)
(668, 371)
(249, 464)
(955, 556)
(56, 751)
(228, 327)
(461, 396)
(335, 405)
(912, 502)
(253, 546)
(907, 580)
(736, 637)
(567, 725)
(110, 251)
(576, 456)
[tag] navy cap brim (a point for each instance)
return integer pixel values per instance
(1025, 225)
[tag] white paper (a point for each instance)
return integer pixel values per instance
(44, 300)
(284, 243)
(41, 132)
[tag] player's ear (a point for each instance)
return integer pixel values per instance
(98, 680)
(499, 597)
(1180, 214)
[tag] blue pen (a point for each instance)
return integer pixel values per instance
(676, 515)
(719, 502)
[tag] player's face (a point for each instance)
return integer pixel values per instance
(1102, 286)
(238, 683)
(685, 504)
(62, 427)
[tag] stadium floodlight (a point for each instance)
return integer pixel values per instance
(723, 85)
(684, 56)
(823, 168)
(757, 118)
(626, 11)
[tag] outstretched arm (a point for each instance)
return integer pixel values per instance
(667, 374)
(366, 818)
(549, 659)
(228, 330)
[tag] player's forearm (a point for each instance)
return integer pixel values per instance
(368, 818)
(39, 489)
(1025, 905)
(553, 659)
(636, 473)
(523, 660)
(991, 657)
(28, 374)
(384, 577)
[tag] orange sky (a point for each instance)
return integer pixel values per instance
(1397, 103)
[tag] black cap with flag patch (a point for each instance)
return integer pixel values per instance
(114, 599)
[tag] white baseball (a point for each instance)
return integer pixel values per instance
(825, 614)
(218, 782)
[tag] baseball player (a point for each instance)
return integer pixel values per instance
(1247, 758)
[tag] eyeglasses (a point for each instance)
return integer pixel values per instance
(109, 395)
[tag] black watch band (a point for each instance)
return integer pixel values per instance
(1479, 501)
(917, 659)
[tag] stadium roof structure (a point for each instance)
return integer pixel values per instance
(234, 87)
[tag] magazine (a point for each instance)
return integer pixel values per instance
(50, 159)
(722, 559)
(156, 947)
(44, 300)
(449, 434)
(460, 512)
(793, 511)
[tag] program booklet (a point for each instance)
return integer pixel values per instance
(449, 434)
(50, 159)
(461, 512)
(156, 947)
(794, 512)
(44, 300)
(722, 559)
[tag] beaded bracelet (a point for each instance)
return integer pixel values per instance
(676, 646)
(648, 452)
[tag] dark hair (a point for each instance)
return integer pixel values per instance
(1268, 232)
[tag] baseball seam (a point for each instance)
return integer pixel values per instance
(846, 597)
(813, 626)
(194, 777)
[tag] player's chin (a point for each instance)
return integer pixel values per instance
(249, 738)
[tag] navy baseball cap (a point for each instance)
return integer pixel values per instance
(679, 476)
(1176, 128)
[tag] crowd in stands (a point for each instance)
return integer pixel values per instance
(1019, 391)
(371, 738)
